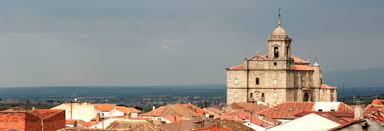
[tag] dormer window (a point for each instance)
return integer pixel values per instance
(276, 52)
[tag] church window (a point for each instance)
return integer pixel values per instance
(257, 81)
(262, 97)
(306, 96)
(276, 52)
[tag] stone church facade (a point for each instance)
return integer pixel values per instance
(278, 76)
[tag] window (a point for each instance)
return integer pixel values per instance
(332, 109)
(276, 52)
(275, 63)
(321, 110)
(306, 97)
(251, 95)
(262, 97)
(257, 81)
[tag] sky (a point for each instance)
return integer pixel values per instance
(176, 42)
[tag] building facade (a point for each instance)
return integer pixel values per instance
(278, 76)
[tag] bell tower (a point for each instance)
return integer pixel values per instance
(279, 44)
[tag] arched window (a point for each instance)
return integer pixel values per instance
(262, 97)
(276, 52)
(306, 96)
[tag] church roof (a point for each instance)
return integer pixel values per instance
(326, 86)
(279, 31)
(299, 60)
(236, 67)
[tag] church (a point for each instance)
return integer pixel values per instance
(277, 76)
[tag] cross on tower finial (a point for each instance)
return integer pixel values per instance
(279, 18)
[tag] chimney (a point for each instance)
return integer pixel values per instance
(359, 111)
(153, 107)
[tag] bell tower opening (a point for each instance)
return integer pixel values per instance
(276, 52)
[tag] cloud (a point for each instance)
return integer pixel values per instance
(172, 42)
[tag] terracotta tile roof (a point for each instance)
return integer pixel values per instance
(127, 109)
(338, 117)
(287, 110)
(174, 119)
(193, 108)
(46, 113)
(347, 124)
(232, 125)
(377, 102)
(91, 123)
(104, 107)
(334, 113)
(237, 67)
(173, 110)
(252, 107)
(302, 67)
(134, 125)
(345, 108)
(375, 112)
(213, 127)
(326, 86)
(80, 122)
(182, 125)
(255, 119)
(299, 60)
(213, 111)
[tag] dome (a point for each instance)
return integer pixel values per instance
(279, 31)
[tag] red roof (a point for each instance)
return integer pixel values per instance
(174, 119)
(242, 116)
(375, 112)
(326, 86)
(194, 108)
(45, 113)
(377, 102)
(347, 124)
(336, 116)
(104, 107)
(237, 67)
(248, 106)
(287, 110)
(213, 127)
(345, 108)
(182, 110)
(127, 109)
(298, 60)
